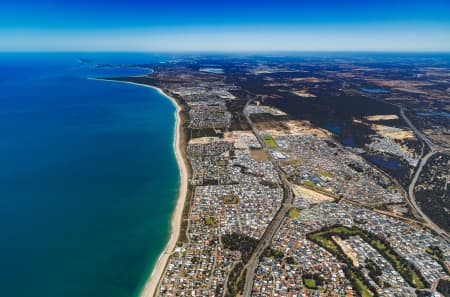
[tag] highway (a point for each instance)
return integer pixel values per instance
(424, 159)
(274, 225)
(412, 198)
(419, 133)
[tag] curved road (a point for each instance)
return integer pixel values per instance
(288, 197)
(419, 133)
(413, 202)
(412, 198)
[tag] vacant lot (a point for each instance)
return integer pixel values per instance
(259, 155)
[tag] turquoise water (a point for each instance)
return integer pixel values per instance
(212, 70)
(88, 180)
(374, 90)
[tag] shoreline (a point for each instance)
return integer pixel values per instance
(152, 282)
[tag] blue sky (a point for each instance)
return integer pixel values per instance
(276, 25)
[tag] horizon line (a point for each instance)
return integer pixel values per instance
(233, 51)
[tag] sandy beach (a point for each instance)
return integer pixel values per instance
(151, 285)
(152, 282)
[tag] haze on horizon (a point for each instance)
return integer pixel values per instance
(285, 25)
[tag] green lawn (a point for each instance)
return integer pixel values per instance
(361, 287)
(324, 242)
(324, 173)
(310, 184)
(310, 283)
(210, 221)
(269, 141)
(294, 213)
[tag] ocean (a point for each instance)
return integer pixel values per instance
(88, 176)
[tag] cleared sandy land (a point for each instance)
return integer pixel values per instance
(303, 94)
(291, 127)
(310, 195)
(382, 117)
(305, 127)
(259, 155)
(347, 249)
(241, 139)
(392, 132)
(202, 140)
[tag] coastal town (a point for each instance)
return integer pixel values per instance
(238, 148)
(279, 205)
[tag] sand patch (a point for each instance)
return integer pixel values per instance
(392, 132)
(382, 117)
(311, 195)
(303, 94)
(294, 127)
(242, 139)
(347, 249)
(259, 155)
(309, 79)
(203, 140)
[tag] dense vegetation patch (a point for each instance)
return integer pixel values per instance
(240, 242)
(235, 284)
(273, 253)
(444, 287)
(246, 246)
